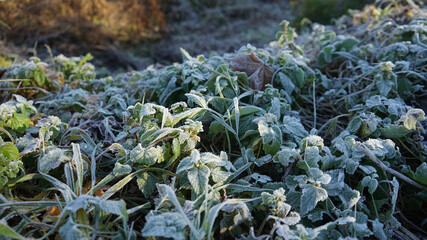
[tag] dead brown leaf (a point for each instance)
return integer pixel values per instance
(259, 73)
(53, 211)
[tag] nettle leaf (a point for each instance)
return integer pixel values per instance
(51, 160)
(219, 176)
(240, 212)
(271, 137)
(349, 197)
(194, 97)
(371, 183)
(190, 113)
(351, 165)
(312, 141)
(114, 207)
(335, 186)
(167, 225)
(187, 163)
(310, 158)
(142, 110)
(293, 126)
(311, 195)
(147, 183)
(145, 156)
(378, 229)
(286, 83)
(382, 148)
(384, 86)
(28, 144)
(245, 110)
(262, 160)
(260, 178)
(286, 156)
(81, 202)
(199, 177)
(121, 169)
(272, 200)
(316, 215)
(71, 231)
(318, 177)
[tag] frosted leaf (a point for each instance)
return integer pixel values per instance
(293, 126)
(286, 156)
(311, 195)
(198, 178)
(167, 225)
(51, 160)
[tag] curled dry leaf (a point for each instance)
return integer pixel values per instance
(258, 72)
(53, 211)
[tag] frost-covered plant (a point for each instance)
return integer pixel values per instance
(10, 163)
(312, 137)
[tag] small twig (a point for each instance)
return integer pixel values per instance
(408, 233)
(27, 88)
(8, 134)
(288, 170)
(387, 169)
(413, 225)
(160, 140)
(262, 226)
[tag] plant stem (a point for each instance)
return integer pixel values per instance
(381, 165)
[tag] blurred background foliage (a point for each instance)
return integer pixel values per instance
(131, 34)
(323, 11)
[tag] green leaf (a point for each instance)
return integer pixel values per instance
(191, 113)
(146, 183)
(384, 86)
(271, 137)
(121, 169)
(310, 158)
(311, 195)
(81, 202)
(245, 110)
(348, 43)
(199, 177)
(421, 173)
(349, 196)
(166, 225)
(18, 122)
(354, 125)
(114, 207)
(372, 186)
(394, 131)
(71, 231)
(145, 156)
(9, 151)
(39, 76)
(7, 231)
(293, 126)
(378, 230)
(216, 127)
(51, 160)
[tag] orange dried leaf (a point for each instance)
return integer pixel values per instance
(53, 211)
(259, 73)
